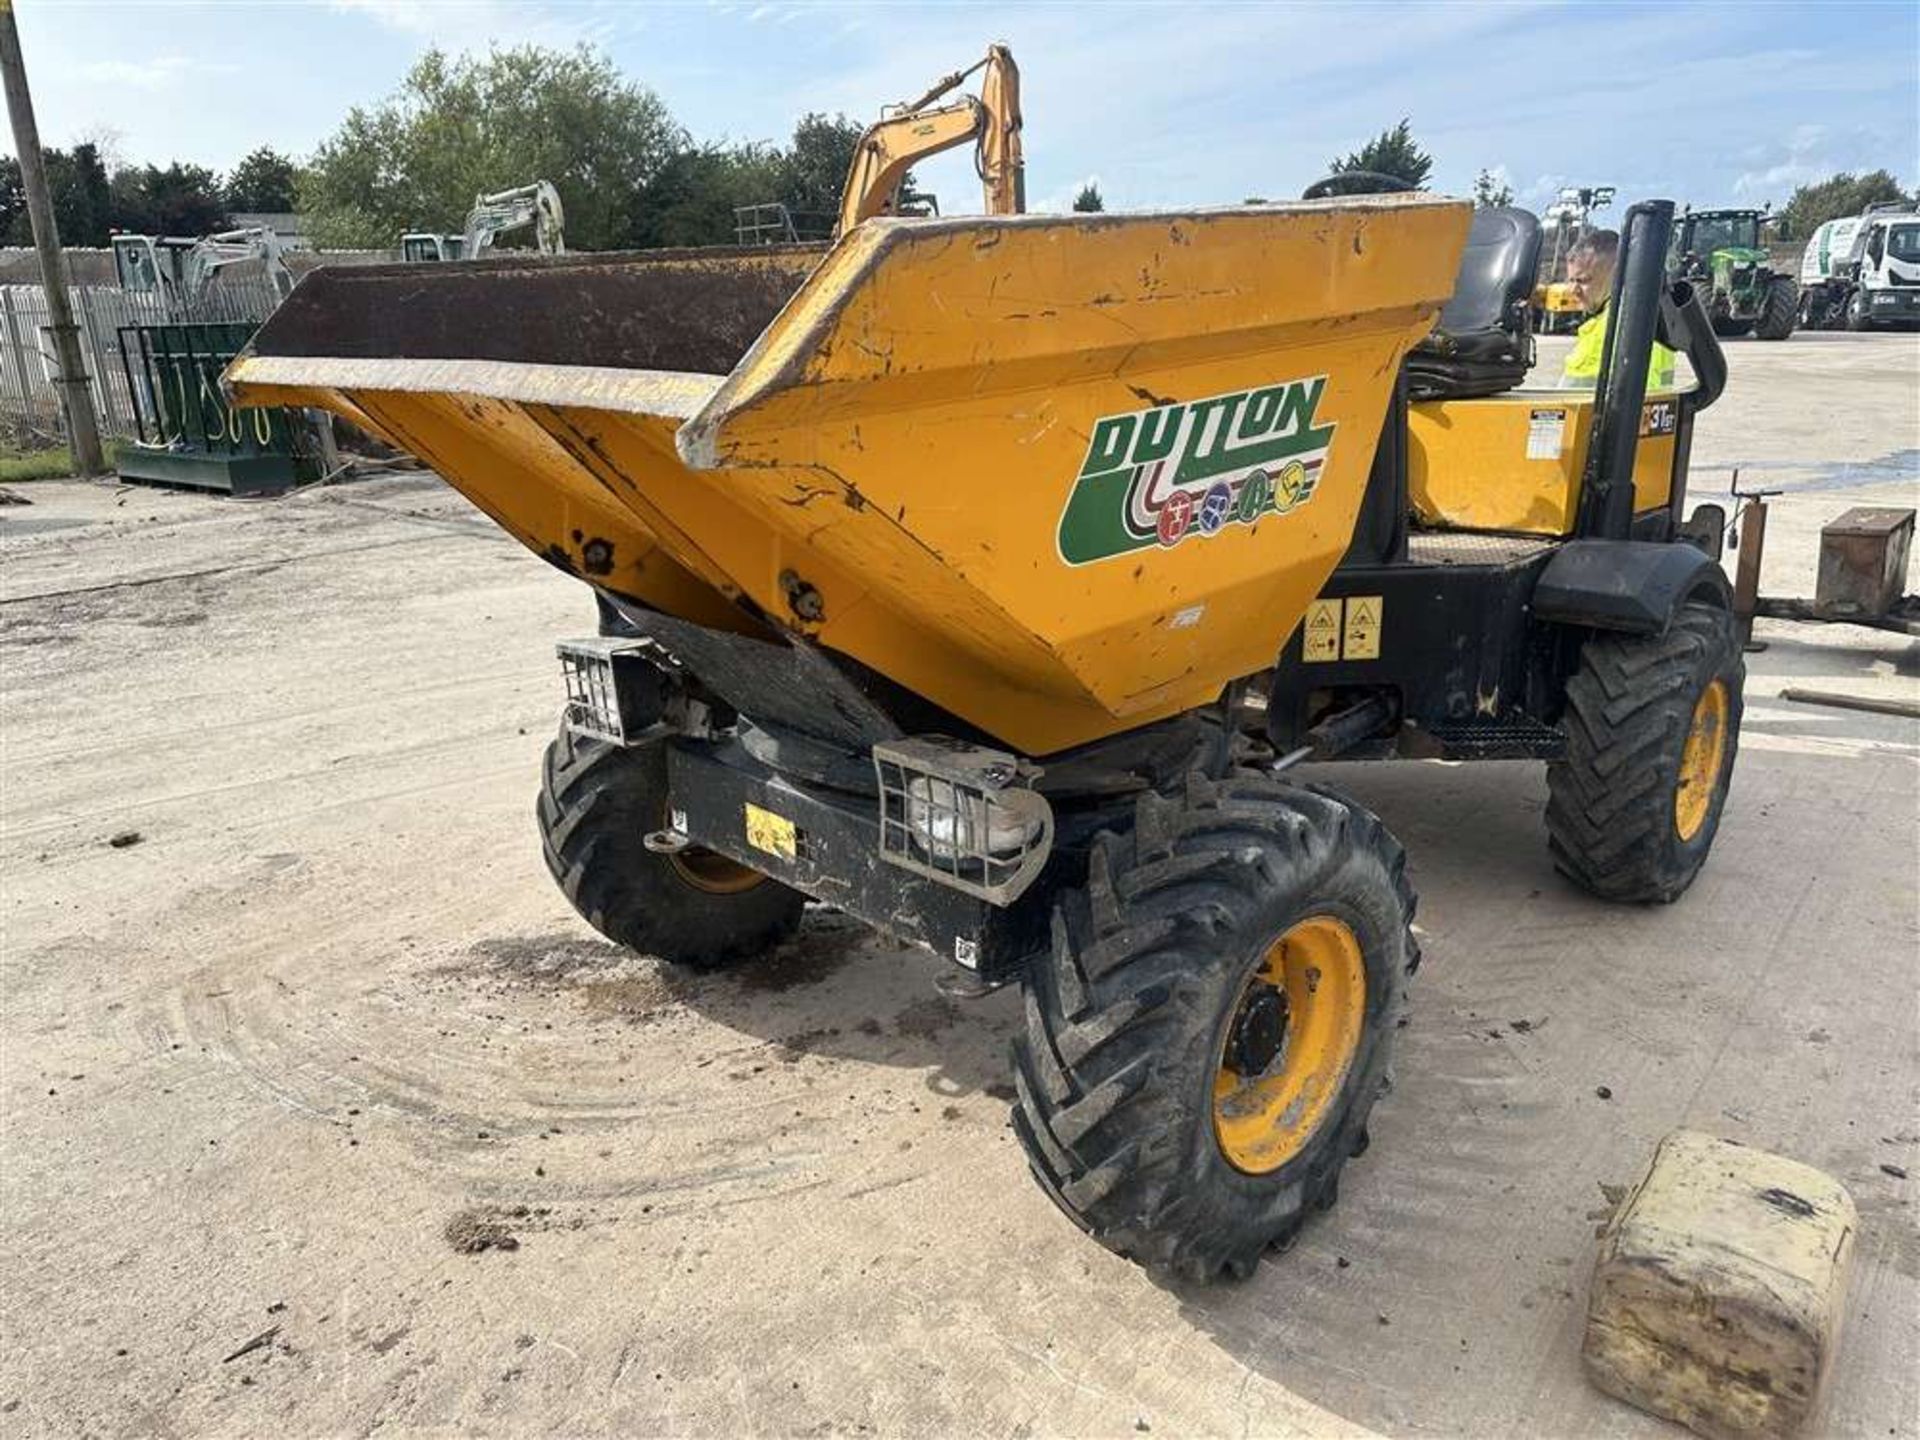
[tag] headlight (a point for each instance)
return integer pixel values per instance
(951, 822)
(962, 814)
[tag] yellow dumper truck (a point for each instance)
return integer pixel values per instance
(985, 578)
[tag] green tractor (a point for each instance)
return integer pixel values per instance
(1720, 253)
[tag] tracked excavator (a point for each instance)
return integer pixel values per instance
(919, 129)
(536, 205)
(181, 271)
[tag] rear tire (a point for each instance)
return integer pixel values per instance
(1727, 328)
(1782, 310)
(597, 804)
(1652, 727)
(1243, 895)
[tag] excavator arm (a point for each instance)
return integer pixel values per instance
(492, 216)
(894, 144)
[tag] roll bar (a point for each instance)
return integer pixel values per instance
(1644, 307)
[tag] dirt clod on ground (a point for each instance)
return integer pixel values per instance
(471, 1232)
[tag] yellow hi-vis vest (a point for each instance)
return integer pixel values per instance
(1583, 361)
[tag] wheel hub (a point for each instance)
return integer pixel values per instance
(1700, 761)
(1290, 1044)
(1259, 1032)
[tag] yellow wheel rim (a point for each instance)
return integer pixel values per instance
(715, 874)
(708, 870)
(1289, 1044)
(1700, 761)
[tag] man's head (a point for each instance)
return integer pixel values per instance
(1590, 266)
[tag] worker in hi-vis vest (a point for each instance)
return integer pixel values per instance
(1590, 267)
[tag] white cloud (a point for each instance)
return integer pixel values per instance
(458, 25)
(156, 72)
(1801, 163)
(1810, 153)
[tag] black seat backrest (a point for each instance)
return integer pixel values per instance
(1483, 342)
(1498, 269)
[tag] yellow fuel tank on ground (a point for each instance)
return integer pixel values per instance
(1060, 475)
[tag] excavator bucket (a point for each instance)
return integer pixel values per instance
(1061, 476)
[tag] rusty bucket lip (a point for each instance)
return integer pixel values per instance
(857, 253)
(690, 311)
(510, 261)
(674, 394)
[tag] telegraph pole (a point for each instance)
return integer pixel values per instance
(83, 435)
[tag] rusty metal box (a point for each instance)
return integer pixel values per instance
(1863, 562)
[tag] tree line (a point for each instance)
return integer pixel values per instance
(176, 199)
(629, 174)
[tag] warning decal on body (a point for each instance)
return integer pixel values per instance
(772, 833)
(1546, 429)
(1360, 640)
(1346, 629)
(1321, 638)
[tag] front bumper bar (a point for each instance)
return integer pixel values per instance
(827, 844)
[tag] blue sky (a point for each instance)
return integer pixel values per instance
(1160, 104)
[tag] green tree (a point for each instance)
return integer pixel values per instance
(691, 199)
(1490, 190)
(464, 126)
(266, 182)
(180, 199)
(1391, 152)
(816, 164)
(1088, 201)
(1811, 206)
(82, 197)
(13, 201)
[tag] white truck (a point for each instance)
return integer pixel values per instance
(1862, 271)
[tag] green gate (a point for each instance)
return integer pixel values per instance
(188, 433)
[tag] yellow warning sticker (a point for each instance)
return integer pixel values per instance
(772, 833)
(1361, 638)
(1321, 638)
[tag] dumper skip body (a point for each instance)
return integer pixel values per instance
(1062, 476)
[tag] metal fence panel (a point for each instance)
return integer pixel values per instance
(29, 402)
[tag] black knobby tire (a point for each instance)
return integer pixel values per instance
(1612, 801)
(1727, 328)
(1781, 311)
(597, 803)
(1126, 1019)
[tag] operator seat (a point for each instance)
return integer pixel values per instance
(1483, 342)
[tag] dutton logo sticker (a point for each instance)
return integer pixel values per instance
(1180, 473)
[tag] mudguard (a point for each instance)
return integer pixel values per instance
(1631, 585)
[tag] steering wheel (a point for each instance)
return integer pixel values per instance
(1354, 182)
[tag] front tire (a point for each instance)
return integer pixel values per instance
(1210, 1032)
(1652, 727)
(1859, 312)
(597, 804)
(1782, 310)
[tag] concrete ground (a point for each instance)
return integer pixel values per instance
(290, 1005)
